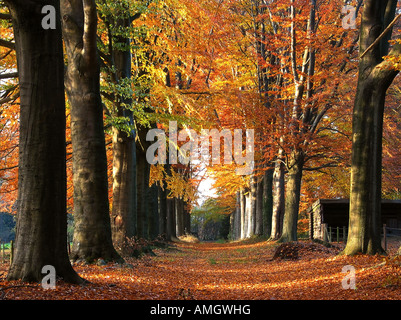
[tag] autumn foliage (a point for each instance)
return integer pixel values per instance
(285, 69)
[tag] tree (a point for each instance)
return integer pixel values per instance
(117, 62)
(41, 237)
(375, 77)
(92, 230)
(9, 110)
(307, 95)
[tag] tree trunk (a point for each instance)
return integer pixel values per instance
(123, 215)
(187, 220)
(278, 200)
(179, 212)
(375, 76)
(267, 202)
(292, 197)
(162, 209)
(259, 208)
(235, 220)
(248, 214)
(243, 214)
(92, 230)
(252, 200)
(41, 231)
(170, 213)
(153, 216)
(142, 188)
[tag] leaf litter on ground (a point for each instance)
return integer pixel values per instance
(230, 271)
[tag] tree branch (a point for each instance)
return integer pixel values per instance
(378, 39)
(7, 44)
(8, 75)
(5, 16)
(9, 99)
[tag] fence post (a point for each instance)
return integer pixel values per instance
(324, 232)
(344, 234)
(11, 251)
(385, 237)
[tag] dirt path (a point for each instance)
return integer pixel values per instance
(213, 271)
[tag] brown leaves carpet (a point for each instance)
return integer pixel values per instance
(229, 271)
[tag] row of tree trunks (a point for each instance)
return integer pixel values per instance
(253, 212)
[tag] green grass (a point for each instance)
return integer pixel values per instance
(6, 246)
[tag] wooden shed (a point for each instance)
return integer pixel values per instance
(334, 213)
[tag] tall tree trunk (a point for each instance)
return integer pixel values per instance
(243, 214)
(375, 76)
(292, 197)
(92, 230)
(187, 219)
(259, 208)
(252, 218)
(143, 168)
(41, 231)
(123, 215)
(235, 220)
(248, 214)
(162, 208)
(170, 213)
(153, 216)
(179, 211)
(278, 200)
(267, 202)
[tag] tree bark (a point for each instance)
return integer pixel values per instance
(162, 209)
(375, 76)
(153, 216)
(143, 168)
(243, 214)
(267, 202)
(292, 197)
(123, 215)
(259, 208)
(41, 231)
(278, 200)
(170, 213)
(179, 211)
(235, 220)
(92, 230)
(249, 221)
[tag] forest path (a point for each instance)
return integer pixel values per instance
(229, 271)
(245, 270)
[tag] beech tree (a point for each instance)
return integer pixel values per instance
(41, 235)
(375, 77)
(92, 229)
(117, 61)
